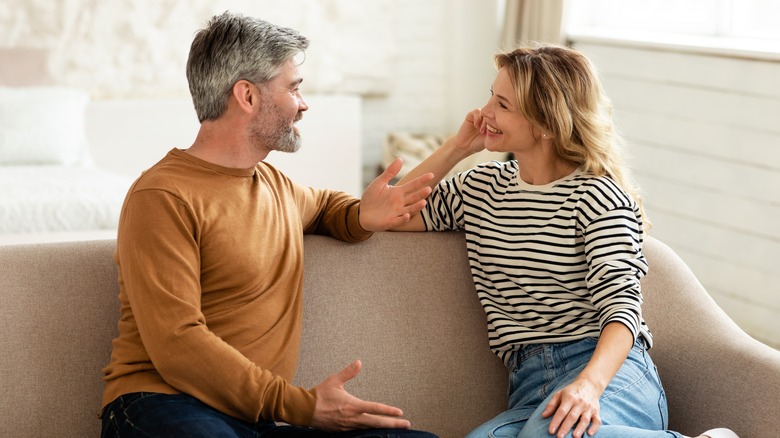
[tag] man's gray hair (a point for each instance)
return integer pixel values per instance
(233, 47)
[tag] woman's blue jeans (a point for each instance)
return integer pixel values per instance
(148, 415)
(632, 406)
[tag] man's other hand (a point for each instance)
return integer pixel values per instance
(337, 410)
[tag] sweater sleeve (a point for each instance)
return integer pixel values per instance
(159, 263)
(331, 213)
(613, 248)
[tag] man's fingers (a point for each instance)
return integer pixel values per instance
(416, 189)
(368, 421)
(375, 408)
(405, 214)
(418, 183)
(348, 373)
(417, 196)
(391, 171)
(337, 410)
(361, 414)
(379, 415)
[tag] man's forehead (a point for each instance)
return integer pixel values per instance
(288, 75)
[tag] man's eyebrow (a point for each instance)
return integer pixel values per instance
(296, 82)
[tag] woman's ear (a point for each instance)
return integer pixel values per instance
(244, 94)
(540, 134)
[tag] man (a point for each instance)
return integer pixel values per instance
(209, 252)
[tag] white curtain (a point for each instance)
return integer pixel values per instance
(527, 21)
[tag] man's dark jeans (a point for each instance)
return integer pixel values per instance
(152, 415)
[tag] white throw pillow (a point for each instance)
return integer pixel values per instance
(42, 125)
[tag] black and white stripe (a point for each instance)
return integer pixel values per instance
(551, 263)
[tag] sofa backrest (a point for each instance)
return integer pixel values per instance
(403, 303)
(412, 319)
(58, 314)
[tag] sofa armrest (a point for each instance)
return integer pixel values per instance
(714, 374)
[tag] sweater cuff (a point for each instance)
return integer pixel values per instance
(356, 231)
(298, 406)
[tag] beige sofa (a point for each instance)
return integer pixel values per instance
(403, 303)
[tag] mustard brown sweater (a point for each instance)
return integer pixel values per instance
(210, 285)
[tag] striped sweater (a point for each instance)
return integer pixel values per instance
(550, 263)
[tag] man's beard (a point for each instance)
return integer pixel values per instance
(269, 132)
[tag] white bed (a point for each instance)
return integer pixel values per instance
(50, 187)
(51, 198)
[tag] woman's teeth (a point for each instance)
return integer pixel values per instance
(493, 130)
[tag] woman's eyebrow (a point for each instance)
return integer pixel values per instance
(502, 98)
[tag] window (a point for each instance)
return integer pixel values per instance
(736, 25)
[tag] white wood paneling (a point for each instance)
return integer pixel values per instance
(743, 76)
(714, 140)
(688, 103)
(746, 259)
(704, 142)
(701, 204)
(689, 168)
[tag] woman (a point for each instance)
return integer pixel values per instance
(554, 239)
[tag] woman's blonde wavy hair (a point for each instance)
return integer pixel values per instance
(558, 90)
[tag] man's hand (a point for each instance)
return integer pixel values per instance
(337, 410)
(383, 206)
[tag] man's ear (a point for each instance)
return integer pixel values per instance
(244, 92)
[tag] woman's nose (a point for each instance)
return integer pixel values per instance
(488, 108)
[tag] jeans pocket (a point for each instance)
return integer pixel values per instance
(110, 429)
(116, 415)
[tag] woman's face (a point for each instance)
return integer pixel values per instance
(507, 129)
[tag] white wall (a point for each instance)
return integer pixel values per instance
(443, 69)
(138, 48)
(704, 132)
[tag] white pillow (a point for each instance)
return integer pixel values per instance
(42, 125)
